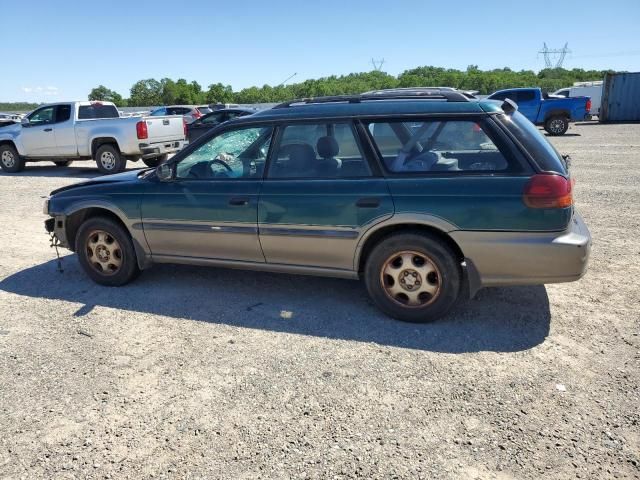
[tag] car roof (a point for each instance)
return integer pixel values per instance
(373, 108)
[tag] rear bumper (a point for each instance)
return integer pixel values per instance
(515, 258)
(151, 150)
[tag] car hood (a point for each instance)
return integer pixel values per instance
(134, 176)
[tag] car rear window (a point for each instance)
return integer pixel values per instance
(544, 154)
(86, 112)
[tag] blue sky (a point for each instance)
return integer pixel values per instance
(54, 50)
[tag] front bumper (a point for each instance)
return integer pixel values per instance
(157, 149)
(528, 258)
(56, 226)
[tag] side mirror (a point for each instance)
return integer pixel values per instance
(166, 172)
(24, 121)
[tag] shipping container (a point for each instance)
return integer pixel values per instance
(621, 98)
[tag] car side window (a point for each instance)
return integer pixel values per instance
(42, 116)
(442, 146)
(63, 113)
(234, 154)
(501, 96)
(526, 96)
(215, 118)
(319, 150)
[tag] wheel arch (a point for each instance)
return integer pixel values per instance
(77, 215)
(376, 234)
(557, 113)
(97, 142)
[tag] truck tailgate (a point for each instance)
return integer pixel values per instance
(162, 129)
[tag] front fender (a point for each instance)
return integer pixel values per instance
(11, 134)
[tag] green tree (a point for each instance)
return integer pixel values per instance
(102, 93)
(146, 93)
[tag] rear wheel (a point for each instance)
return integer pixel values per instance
(65, 163)
(10, 161)
(105, 251)
(109, 160)
(413, 277)
(556, 125)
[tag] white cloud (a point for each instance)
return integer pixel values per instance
(48, 91)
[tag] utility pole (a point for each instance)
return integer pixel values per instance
(377, 64)
(558, 53)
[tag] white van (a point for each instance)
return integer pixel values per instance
(584, 89)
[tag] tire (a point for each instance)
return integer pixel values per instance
(155, 161)
(105, 251)
(109, 160)
(10, 161)
(429, 276)
(556, 125)
(66, 163)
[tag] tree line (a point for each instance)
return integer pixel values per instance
(167, 91)
(151, 92)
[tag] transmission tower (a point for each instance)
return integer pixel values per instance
(377, 64)
(558, 54)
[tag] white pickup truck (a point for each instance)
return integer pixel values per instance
(63, 132)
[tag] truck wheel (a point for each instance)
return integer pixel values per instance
(106, 252)
(413, 277)
(66, 163)
(557, 125)
(10, 161)
(155, 161)
(109, 160)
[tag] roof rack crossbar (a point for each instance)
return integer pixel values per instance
(407, 94)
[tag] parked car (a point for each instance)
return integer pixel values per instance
(423, 196)
(8, 119)
(551, 112)
(63, 132)
(197, 128)
(593, 90)
(189, 112)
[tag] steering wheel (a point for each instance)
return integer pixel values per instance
(220, 162)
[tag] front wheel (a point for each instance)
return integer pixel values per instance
(105, 251)
(109, 160)
(556, 125)
(155, 161)
(10, 161)
(413, 277)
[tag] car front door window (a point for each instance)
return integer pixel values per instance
(234, 154)
(43, 116)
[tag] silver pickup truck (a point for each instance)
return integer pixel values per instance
(63, 132)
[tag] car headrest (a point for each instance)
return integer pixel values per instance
(327, 147)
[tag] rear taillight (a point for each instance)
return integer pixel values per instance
(548, 191)
(141, 130)
(588, 107)
(184, 126)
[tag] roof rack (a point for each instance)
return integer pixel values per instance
(390, 94)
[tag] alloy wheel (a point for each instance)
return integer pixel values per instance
(411, 279)
(104, 252)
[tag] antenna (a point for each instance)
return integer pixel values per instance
(377, 64)
(286, 80)
(559, 54)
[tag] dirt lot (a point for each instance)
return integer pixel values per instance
(196, 373)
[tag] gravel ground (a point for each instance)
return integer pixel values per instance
(201, 373)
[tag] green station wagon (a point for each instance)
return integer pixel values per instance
(425, 195)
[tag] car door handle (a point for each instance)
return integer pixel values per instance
(48, 129)
(368, 203)
(239, 201)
